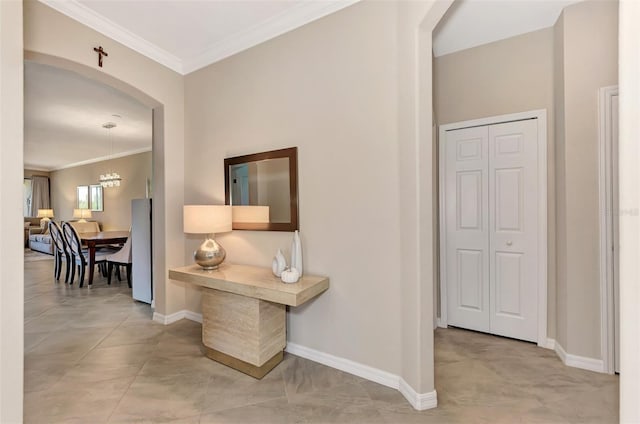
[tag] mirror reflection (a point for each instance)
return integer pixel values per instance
(262, 188)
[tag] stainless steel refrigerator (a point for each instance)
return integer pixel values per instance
(141, 253)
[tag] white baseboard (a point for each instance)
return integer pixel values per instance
(441, 323)
(575, 361)
(419, 401)
(193, 316)
(551, 344)
(177, 316)
(168, 319)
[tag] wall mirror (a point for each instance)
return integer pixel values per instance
(263, 190)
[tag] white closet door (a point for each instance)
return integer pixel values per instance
(467, 228)
(513, 228)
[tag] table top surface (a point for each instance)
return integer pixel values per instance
(106, 236)
(252, 281)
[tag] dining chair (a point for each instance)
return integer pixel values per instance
(60, 251)
(79, 256)
(121, 257)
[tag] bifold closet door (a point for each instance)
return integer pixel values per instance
(467, 228)
(491, 228)
(513, 229)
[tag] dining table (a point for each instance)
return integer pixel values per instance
(102, 238)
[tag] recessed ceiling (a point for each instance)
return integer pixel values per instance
(471, 23)
(63, 117)
(186, 35)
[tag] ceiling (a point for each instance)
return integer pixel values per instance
(471, 23)
(64, 111)
(186, 35)
(63, 117)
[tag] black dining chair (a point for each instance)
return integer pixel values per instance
(79, 257)
(60, 251)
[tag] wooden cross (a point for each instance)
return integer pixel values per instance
(101, 53)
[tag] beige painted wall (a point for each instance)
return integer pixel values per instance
(54, 39)
(349, 90)
(11, 174)
(134, 170)
(560, 69)
(329, 89)
(507, 76)
(590, 61)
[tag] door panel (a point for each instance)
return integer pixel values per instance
(513, 224)
(466, 217)
(509, 284)
(469, 264)
(469, 197)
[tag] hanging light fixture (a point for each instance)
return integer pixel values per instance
(110, 179)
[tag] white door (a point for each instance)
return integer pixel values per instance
(491, 228)
(467, 228)
(513, 229)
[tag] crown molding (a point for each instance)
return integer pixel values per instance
(289, 20)
(286, 21)
(100, 159)
(107, 27)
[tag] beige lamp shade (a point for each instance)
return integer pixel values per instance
(207, 219)
(253, 214)
(82, 213)
(45, 213)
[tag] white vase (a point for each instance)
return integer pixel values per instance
(296, 253)
(279, 264)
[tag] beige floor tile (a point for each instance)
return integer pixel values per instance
(163, 398)
(94, 355)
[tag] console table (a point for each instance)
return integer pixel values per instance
(244, 312)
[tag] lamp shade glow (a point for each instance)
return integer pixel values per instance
(257, 214)
(45, 213)
(207, 219)
(82, 213)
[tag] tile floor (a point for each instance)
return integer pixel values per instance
(95, 356)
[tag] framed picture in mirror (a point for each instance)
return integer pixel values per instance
(263, 190)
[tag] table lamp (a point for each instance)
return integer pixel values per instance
(208, 219)
(46, 215)
(82, 214)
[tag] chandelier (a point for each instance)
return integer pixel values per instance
(110, 179)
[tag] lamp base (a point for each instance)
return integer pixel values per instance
(209, 255)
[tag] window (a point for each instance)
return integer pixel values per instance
(26, 197)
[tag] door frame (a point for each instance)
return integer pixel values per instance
(605, 198)
(541, 116)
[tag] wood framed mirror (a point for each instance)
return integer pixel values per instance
(263, 190)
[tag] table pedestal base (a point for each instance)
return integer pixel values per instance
(244, 333)
(245, 367)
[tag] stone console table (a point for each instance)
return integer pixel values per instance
(244, 313)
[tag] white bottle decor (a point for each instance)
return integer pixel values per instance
(296, 253)
(279, 264)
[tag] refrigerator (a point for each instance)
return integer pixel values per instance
(141, 252)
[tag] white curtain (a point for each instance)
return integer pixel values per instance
(39, 194)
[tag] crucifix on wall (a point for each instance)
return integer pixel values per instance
(101, 53)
